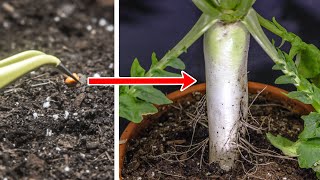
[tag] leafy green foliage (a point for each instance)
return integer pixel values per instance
(307, 55)
(300, 96)
(136, 69)
(299, 73)
(133, 108)
(309, 154)
(288, 147)
(137, 101)
(151, 95)
(285, 79)
(311, 126)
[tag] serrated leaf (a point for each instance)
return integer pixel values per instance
(285, 80)
(176, 63)
(163, 73)
(300, 96)
(311, 126)
(288, 147)
(151, 95)
(136, 69)
(154, 60)
(133, 109)
(309, 153)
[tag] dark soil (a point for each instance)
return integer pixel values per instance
(73, 137)
(160, 152)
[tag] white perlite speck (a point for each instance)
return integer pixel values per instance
(103, 22)
(89, 28)
(96, 75)
(67, 169)
(35, 115)
(46, 104)
(110, 28)
(48, 132)
(111, 66)
(55, 116)
(66, 114)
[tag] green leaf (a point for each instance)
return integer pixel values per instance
(151, 95)
(316, 80)
(285, 79)
(136, 69)
(163, 73)
(154, 60)
(278, 67)
(300, 96)
(133, 109)
(316, 93)
(288, 147)
(123, 89)
(278, 25)
(309, 65)
(206, 7)
(176, 63)
(229, 4)
(318, 174)
(311, 126)
(309, 153)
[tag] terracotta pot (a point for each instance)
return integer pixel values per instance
(270, 92)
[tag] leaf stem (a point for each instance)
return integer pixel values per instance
(202, 25)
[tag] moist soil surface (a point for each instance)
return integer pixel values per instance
(47, 129)
(163, 150)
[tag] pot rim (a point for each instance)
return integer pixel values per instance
(269, 91)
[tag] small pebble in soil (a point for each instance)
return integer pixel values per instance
(82, 155)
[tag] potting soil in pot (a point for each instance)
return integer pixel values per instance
(175, 145)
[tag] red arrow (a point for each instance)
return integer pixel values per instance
(185, 81)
